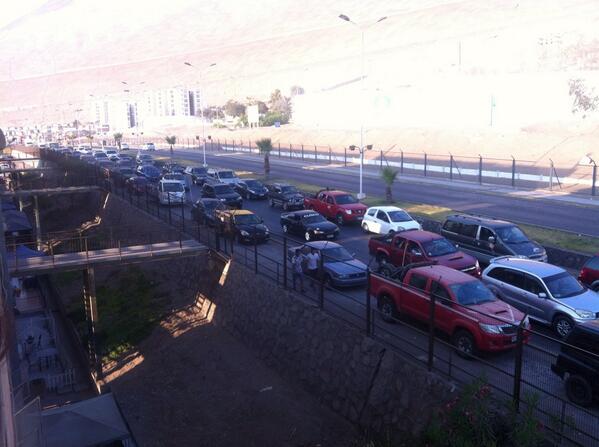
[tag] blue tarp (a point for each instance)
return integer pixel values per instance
(16, 222)
(24, 252)
(8, 205)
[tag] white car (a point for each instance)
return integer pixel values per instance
(224, 176)
(171, 192)
(124, 146)
(383, 219)
(177, 177)
(148, 147)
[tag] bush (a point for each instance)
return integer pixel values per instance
(272, 117)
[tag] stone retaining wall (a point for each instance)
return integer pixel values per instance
(353, 374)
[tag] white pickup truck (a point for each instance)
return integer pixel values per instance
(169, 192)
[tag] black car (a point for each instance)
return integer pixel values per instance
(121, 174)
(309, 224)
(288, 196)
(150, 172)
(224, 192)
(251, 189)
(243, 225)
(203, 211)
(486, 238)
(578, 363)
(198, 174)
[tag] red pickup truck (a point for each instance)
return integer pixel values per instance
(410, 246)
(338, 205)
(465, 309)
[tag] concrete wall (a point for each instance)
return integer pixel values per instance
(353, 374)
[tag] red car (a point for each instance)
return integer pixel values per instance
(465, 309)
(338, 205)
(410, 246)
(589, 274)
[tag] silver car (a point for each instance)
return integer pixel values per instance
(547, 293)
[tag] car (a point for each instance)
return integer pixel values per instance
(150, 172)
(546, 292)
(383, 219)
(148, 147)
(224, 192)
(486, 238)
(309, 224)
(168, 192)
(251, 189)
(87, 158)
(340, 267)
(223, 176)
(410, 246)
(112, 154)
(589, 274)
(243, 225)
(144, 159)
(173, 168)
(98, 155)
(121, 174)
(341, 206)
(105, 165)
(124, 146)
(466, 310)
(137, 185)
(578, 363)
(176, 177)
(285, 195)
(198, 174)
(203, 210)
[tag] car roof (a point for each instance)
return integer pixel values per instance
(486, 221)
(166, 180)
(239, 212)
(443, 274)
(334, 192)
(387, 208)
(541, 269)
(319, 245)
(303, 212)
(217, 184)
(419, 235)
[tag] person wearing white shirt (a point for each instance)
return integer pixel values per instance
(313, 259)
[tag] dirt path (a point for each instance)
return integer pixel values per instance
(193, 384)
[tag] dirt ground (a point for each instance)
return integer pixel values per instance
(193, 384)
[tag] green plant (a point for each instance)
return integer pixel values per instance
(270, 118)
(265, 146)
(525, 429)
(172, 140)
(388, 175)
(118, 137)
(2, 140)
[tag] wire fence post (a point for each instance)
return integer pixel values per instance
(279, 149)
(401, 162)
(513, 171)
(450, 167)
(321, 288)
(147, 200)
(518, 366)
(593, 187)
(431, 332)
(368, 306)
(182, 213)
(302, 152)
(344, 156)
(330, 155)
(425, 162)
(480, 169)
(381, 159)
(255, 254)
(285, 262)
(169, 207)
(315, 154)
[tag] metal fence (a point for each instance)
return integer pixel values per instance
(517, 374)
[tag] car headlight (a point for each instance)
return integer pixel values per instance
(347, 211)
(223, 200)
(585, 313)
(490, 328)
(266, 230)
(244, 233)
(342, 276)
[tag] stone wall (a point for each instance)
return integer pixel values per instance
(353, 374)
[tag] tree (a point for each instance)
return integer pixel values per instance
(265, 146)
(2, 140)
(234, 108)
(172, 140)
(296, 90)
(118, 137)
(90, 137)
(585, 100)
(262, 107)
(389, 175)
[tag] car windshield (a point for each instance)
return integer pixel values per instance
(345, 199)
(511, 235)
(100, 155)
(210, 204)
(438, 247)
(223, 189)
(174, 177)
(150, 170)
(198, 171)
(288, 189)
(255, 184)
(472, 292)
(140, 180)
(335, 254)
(399, 216)
(563, 285)
(313, 218)
(226, 174)
(172, 187)
(247, 219)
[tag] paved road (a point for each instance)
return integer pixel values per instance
(559, 215)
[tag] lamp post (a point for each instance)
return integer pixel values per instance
(362, 29)
(361, 149)
(189, 64)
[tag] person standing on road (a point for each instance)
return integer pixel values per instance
(313, 259)
(297, 263)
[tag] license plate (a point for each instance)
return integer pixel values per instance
(514, 338)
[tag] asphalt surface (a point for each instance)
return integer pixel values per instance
(412, 338)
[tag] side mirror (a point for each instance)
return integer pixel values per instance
(542, 295)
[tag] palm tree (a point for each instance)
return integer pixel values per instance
(389, 175)
(172, 140)
(90, 137)
(118, 137)
(265, 146)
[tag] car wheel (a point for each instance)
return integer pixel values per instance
(595, 288)
(285, 229)
(562, 325)
(579, 390)
(328, 281)
(388, 309)
(307, 236)
(339, 219)
(272, 202)
(365, 227)
(464, 344)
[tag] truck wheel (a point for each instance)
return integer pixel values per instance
(464, 343)
(579, 390)
(272, 203)
(339, 219)
(387, 309)
(562, 325)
